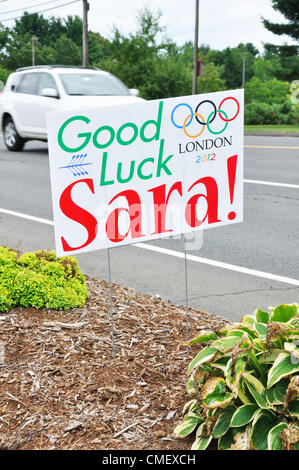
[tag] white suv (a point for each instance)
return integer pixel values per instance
(31, 92)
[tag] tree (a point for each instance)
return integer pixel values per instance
(72, 27)
(46, 29)
(211, 81)
(4, 33)
(290, 10)
(231, 60)
(271, 91)
(67, 52)
(143, 61)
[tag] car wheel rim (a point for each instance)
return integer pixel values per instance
(10, 134)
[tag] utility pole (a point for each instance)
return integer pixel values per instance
(195, 56)
(85, 33)
(243, 70)
(33, 39)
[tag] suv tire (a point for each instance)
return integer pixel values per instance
(13, 141)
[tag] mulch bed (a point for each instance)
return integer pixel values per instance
(61, 389)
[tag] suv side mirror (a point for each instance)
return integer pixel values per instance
(50, 92)
(134, 92)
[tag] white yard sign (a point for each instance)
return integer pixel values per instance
(135, 172)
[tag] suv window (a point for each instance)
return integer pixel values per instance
(46, 81)
(16, 79)
(28, 83)
(92, 84)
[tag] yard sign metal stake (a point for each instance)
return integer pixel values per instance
(187, 300)
(111, 308)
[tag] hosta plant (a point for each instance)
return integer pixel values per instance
(244, 384)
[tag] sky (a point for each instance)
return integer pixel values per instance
(222, 23)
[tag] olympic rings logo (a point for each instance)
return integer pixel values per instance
(200, 119)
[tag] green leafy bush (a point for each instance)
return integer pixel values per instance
(3, 75)
(266, 91)
(263, 113)
(40, 279)
(245, 384)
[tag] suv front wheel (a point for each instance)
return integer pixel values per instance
(13, 141)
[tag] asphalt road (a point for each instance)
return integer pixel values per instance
(266, 242)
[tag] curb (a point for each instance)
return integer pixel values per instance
(272, 134)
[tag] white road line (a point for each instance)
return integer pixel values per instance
(218, 264)
(272, 183)
(26, 216)
(178, 254)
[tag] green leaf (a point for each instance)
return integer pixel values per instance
(233, 380)
(261, 328)
(269, 395)
(275, 395)
(205, 355)
(283, 313)
(213, 412)
(256, 389)
(227, 440)
(274, 441)
(260, 399)
(205, 337)
(261, 316)
(214, 393)
(201, 443)
(283, 366)
(293, 349)
(227, 343)
(251, 333)
(255, 382)
(236, 332)
(190, 386)
(242, 395)
(221, 363)
(223, 423)
(293, 408)
(263, 422)
(248, 320)
(270, 358)
(188, 425)
(243, 415)
(190, 406)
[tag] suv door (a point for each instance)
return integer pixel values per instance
(24, 104)
(33, 106)
(45, 103)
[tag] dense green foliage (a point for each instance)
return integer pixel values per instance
(244, 384)
(40, 279)
(263, 113)
(149, 61)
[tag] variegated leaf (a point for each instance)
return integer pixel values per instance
(244, 415)
(223, 423)
(274, 441)
(214, 393)
(205, 355)
(283, 366)
(263, 422)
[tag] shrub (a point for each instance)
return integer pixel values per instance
(40, 279)
(269, 91)
(3, 75)
(263, 113)
(245, 384)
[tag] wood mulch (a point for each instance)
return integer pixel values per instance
(61, 389)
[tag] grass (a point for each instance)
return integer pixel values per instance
(269, 128)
